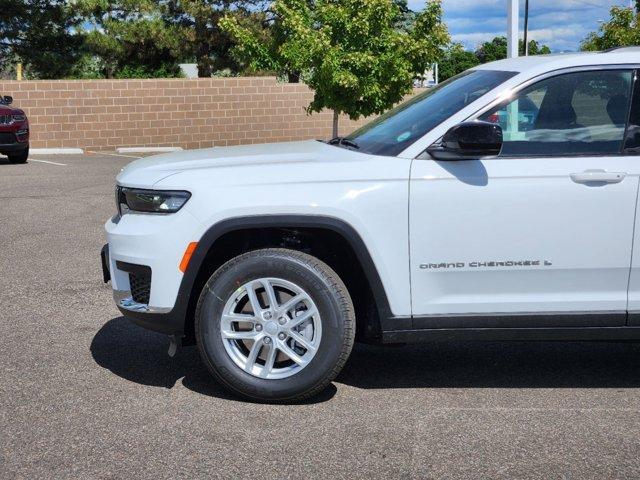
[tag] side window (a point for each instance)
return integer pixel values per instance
(632, 142)
(579, 113)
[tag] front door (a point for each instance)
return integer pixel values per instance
(546, 227)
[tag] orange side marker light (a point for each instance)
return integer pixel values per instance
(186, 258)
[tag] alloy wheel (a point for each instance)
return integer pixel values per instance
(271, 328)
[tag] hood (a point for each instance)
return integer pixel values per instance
(7, 110)
(148, 171)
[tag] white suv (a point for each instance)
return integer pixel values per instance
(500, 204)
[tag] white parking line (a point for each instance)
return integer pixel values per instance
(112, 154)
(50, 163)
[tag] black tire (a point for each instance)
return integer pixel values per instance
(328, 293)
(20, 157)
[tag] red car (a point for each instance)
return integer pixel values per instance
(14, 132)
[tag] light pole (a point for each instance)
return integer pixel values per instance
(512, 28)
(526, 28)
(512, 52)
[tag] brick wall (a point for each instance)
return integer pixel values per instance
(190, 113)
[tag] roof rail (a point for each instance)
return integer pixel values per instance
(631, 48)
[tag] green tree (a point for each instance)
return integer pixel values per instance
(622, 29)
(496, 49)
(535, 48)
(207, 42)
(407, 17)
(132, 36)
(351, 52)
(456, 60)
(40, 34)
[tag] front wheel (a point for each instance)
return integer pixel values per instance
(20, 157)
(275, 325)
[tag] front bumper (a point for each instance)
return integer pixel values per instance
(162, 320)
(13, 147)
(10, 141)
(155, 243)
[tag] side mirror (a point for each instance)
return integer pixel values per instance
(468, 141)
(7, 100)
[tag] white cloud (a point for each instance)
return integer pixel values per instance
(473, 24)
(562, 24)
(548, 35)
(474, 39)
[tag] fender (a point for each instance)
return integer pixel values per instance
(173, 322)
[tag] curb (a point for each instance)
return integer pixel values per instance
(56, 151)
(147, 149)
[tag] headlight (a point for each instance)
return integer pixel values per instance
(19, 117)
(149, 201)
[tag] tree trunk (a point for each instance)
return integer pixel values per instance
(335, 123)
(203, 49)
(204, 67)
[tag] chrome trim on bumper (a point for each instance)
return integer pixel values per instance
(124, 300)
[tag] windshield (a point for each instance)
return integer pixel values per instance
(395, 130)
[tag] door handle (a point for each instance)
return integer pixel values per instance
(598, 176)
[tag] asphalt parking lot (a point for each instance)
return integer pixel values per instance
(85, 394)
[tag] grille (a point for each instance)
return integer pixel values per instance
(6, 137)
(5, 119)
(140, 283)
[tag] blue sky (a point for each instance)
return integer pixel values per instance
(561, 24)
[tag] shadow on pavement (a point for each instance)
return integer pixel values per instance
(5, 161)
(140, 356)
(495, 365)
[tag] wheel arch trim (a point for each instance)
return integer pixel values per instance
(342, 228)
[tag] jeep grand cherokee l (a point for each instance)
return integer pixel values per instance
(14, 132)
(500, 204)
